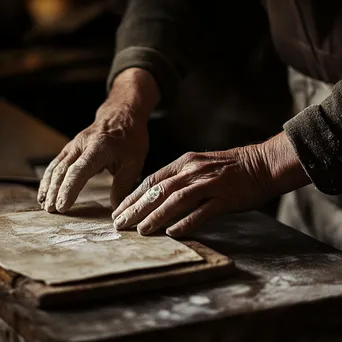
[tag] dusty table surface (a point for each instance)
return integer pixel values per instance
(288, 286)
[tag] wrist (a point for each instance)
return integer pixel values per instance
(134, 91)
(283, 170)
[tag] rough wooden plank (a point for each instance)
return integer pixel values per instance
(34, 293)
(81, 245)
(284, 279)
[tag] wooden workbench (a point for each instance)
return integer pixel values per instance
(288, 287)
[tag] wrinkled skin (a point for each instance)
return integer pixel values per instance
(204, 184)
(187, 192)
(116, 141)
(121, 150)
(199, 186)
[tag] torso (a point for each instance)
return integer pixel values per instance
(307, 34)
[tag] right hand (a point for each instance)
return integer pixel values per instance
(116, 141)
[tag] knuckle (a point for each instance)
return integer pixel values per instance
(179, 196)
(169, 184)
(102, 141)
(60, 170)
(126, 203)
(77, 168)
(190, 171)
(157, 216)
(43, 185)
(80, 136)
(187, 222)
(54, 188)
(133, 211)
(224, 170)
(51, 166)
(147, 183)
(67, 186)
(190, 157)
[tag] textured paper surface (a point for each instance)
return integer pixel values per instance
(56, 248)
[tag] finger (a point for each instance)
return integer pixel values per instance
(148, 202)
(195, 219)
(45, 181)
(176, 204)
(57, 178)
(148, 183)
(78, 174)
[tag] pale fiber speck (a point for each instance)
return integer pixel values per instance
(82, 226)
(59, 239)
(104, 236)
(189, 310)
(168, 315)
(34, 230)
(129, 314)
(164, 314)
(70, 256)
(239, 289)
(77, 243)
(199, 300)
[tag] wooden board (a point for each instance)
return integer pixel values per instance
(33, 293)
(24, 138)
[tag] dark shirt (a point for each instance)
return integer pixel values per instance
(164, 37)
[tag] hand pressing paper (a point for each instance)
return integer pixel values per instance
(81, 245)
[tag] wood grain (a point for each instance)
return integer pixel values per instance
(40, 295)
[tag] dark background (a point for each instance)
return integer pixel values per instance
(55, 56)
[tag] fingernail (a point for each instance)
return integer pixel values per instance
(120, 221)
(60, 203)
(41, 198)
(46, 206)
(42, 205)
(144, 229)
(49, 207)
(113, 216)
(170, 232)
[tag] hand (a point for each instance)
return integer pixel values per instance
(209, 184)
(205, 183)
(117, 141)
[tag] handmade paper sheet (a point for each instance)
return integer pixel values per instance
(57, 249)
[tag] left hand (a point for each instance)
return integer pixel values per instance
(205, 184)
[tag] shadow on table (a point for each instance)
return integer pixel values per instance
(254, 233)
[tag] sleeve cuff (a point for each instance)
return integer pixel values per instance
(317, 148)
(152, 61)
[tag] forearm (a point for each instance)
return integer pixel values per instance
(134, 91)
(280, 167)
(159, 36)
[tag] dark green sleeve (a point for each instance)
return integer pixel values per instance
(316, 135)
(161, 37)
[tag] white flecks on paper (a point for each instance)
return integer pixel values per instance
(104, 236)
(57, 249)
(84, 226)
(199, 300)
